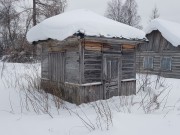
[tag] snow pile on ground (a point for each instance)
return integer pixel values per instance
(169, 30)
(84, 21)
(120, 115)
(13, 79)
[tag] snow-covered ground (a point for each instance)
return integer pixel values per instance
(125, 115)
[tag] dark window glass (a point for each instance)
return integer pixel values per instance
(166, 63)
(148, 62)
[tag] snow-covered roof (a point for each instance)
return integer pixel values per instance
(66, 24)
(169, 30)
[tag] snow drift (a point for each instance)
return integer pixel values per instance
(17, 121)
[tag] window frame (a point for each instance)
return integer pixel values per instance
(110, 67)
(166, 57)
(152, 64)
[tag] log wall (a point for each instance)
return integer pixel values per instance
(175, 64)
(158, 47)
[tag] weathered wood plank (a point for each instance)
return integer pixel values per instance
(72, 67)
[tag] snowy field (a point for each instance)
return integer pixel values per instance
(155, 110)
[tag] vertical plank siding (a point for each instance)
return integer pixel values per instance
(69, 66)
(72, 67)
(82, 94)
(128, 88)
(44, 63)
(56, 66)
(91, 93)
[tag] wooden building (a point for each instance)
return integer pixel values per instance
(161, 55)
(87, 67)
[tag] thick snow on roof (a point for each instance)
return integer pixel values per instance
(66, 24)
(169, 30)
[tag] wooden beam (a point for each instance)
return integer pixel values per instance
(113, 40)
(128, 46)
(93, 46)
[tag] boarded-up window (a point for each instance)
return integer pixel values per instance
(92, 62)
(56, 66)
(128, 65)
(166, 63)
(148, 62)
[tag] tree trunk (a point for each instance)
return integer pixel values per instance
(34, 13)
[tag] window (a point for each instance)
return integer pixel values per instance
(112, 68)
(166, 63)
(148, 62)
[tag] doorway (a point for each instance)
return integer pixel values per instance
(111, 75)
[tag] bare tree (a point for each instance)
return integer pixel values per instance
(14, 25)
(130, 14)
(155, 13)
(34, 13)
(16, 17)
(114, 10)
(46, 8)
(9, 23)
(124, 13)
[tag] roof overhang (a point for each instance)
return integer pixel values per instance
(114, 40)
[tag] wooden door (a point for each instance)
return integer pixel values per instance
(111, 69)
